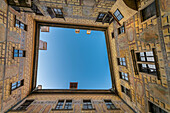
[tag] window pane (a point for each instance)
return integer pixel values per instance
(150, 59)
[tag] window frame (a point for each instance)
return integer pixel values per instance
(18, 53)
(65, 105)
(121, 63)
(152, 15)
(120, 29)
(148, 64)
(59, 104)
(103, 19)
(123, 76)
(16, 86)
(24, 105)
(83, 108)
(126, 91)
(18, 24)
(110, 104)
(118, 14)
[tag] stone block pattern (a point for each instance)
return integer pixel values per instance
(46, 102)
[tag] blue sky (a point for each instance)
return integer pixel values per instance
(72, 57)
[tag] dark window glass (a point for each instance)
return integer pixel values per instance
(124, 76)
(109, 104)
(155, 109)
(68, 104)
(25, 105)
(122, 61)
(118, 15)
(60, 104)
(17, 85)
(149, 11)
(145, 56)
(105, 18)
(121, 30)
(87, 104)
(58, 12)
(21, 25)
(126, 91)
(19, 53)
(147, 68)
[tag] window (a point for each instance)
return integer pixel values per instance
(134, 62)
(87, 104)
(109, 104)
(147, 68)
(17, 85)
(125, 90)
(55, 12)
(122, 61)
(145, 56)
(148, 62)
(68, 104)
(124, 76)
(19, 53)
(155, 109)
(73, 85)
(60, 104)
(21, 25)
(118, 15)
(105, 18)
(58, 12)
(25, 105)
(121, 30)
(148, 12)
(112, 34)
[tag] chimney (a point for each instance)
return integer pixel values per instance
(73, 85)
(39, 86)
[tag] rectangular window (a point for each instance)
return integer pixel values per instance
(122, 61)
(147, 68)
(87, 104)
(148, 12)
(112, 34)
(17, 85)
(118, 15)
(25, 105)
(104, 18)
(150, 65)
(68, 104)
(155, 109)
(60, 104)
(121, 30)
(58, 13)
(124, 76)
(134, 62)
(126, 91)
(145, 56)
(20, 25)
(19, 53)
(109, 104)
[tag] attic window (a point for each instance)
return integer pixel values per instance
(73, 85)
(105, 18)
(118, 14)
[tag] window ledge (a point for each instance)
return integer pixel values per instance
(17, 111)
(89, 109)
(61, 109)
(114, 109)
(144, 62)
(122, 34)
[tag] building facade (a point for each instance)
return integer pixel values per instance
(138, 43)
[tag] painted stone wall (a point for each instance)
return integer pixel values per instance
(46, 102)
(143, 87)
(16, 69)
